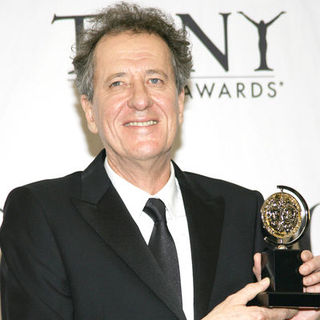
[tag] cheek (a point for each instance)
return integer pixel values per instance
(99, 116)
(174, 114)
(107, 116)
(168, 105)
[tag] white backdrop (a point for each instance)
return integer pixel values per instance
(265, 134)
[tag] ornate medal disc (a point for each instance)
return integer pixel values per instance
(283, 217)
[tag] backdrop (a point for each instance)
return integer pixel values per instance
(252, 112)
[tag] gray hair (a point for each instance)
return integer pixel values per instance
(123, 17)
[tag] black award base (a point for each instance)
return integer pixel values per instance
(286, 287)
(289, 300)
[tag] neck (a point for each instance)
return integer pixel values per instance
(149, 175)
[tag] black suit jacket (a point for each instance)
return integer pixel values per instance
(72, 251)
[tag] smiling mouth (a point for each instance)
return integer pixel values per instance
(141, 123)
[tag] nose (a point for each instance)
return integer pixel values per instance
(140, 98)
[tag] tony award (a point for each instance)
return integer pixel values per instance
(285, 216)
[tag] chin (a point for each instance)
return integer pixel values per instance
(149, 153)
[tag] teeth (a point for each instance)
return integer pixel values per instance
(141, 124)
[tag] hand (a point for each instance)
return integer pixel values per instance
(234, 307)
(310, 270)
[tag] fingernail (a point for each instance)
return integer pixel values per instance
(303, 268)
(265, 280)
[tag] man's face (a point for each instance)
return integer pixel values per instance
(136, 108)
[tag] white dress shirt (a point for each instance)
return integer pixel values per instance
(135, 200)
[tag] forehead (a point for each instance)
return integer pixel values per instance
(132, 48)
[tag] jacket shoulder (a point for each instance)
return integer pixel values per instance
(218, 187)
(55, 182)
(45, 190)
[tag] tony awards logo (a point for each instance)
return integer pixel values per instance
(285, 216)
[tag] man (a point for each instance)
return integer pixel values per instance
(84, 246)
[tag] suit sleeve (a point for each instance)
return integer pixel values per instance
(34, 283)
(260, 245)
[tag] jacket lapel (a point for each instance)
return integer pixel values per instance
(101, 206)
(205, 221)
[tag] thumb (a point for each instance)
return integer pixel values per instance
(257, 266)
(250, 291)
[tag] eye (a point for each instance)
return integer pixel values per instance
(116, 84)
(155, 81)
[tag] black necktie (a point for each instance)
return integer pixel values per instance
(162, 245)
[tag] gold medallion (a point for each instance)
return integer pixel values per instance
(284, 216)
(281, 215)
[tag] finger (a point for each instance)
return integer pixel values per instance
(257, 266)
(306, 255)
(310, 266)
(271, 314)
(247, 293)
(307, 315)
(312, 289)
(280, 313)
(312, 279)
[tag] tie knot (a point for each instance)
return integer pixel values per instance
(156, 209)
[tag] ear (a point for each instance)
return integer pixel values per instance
(181, 105)
(87, 107)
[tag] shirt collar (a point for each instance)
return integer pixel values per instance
(168, 194)
(135, 198)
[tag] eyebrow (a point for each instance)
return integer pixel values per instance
(156, 71)
(115, 75)
(148, 72)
